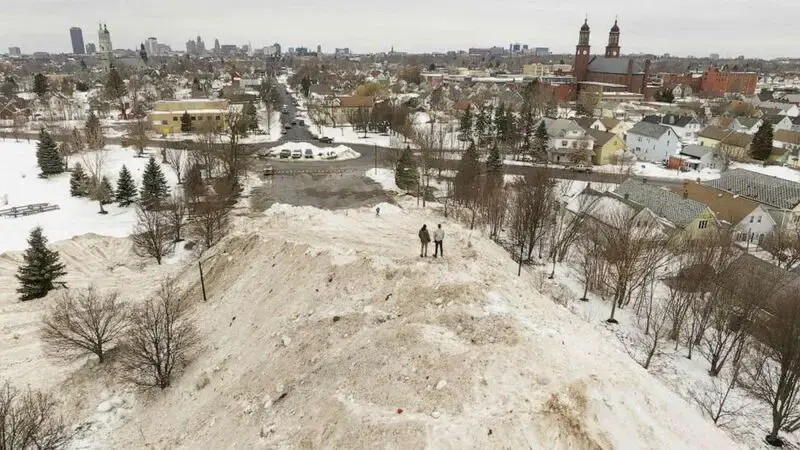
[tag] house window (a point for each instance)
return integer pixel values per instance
(759, 219)
(639, 138)
(563, 143)
(174, 119)
(163, 122)
(217, 117)
(751, 219)
(703, 224)
(194, 117)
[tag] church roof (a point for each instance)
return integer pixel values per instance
(615, 28)
(585, 26)
(601, 64)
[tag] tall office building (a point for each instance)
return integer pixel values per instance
(76, 34)
(151, 46)
(201, 46)
(14, 51)
(216, 46)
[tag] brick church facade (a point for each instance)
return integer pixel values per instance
(628, 74)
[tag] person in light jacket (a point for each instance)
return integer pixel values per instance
(438, 237)
(424, 238)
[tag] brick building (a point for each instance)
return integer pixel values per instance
(715, 81)
(610, 68)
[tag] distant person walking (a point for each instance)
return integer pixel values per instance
(438, 237)
(424, 238)
(378, 211)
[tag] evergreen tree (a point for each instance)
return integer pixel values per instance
(500, 124)
(94, 134)
(494, 162)
(469, 168)
(528, 129)
(115, 91)
(40, 85)
(480, 122)
(40, 269)
(761, 147)
(186, 123)
(105, 193)
(154, 185)
(250, 116)
(193, 187)
(406, 176)
(465, 126)
(78, 181)
(540, 142)
(47, 155)
(126, 188)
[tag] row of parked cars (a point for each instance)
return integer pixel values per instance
(296, 154)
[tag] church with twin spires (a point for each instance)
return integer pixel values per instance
(611, 69)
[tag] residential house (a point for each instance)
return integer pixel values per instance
(612, 210)
(699, 157)
(691, 217)
(789, 142)
(590, 123)
(165, 118)
(606, 146)
(795, 123)
(686, 127)
(750, 220)
(568, 142)
(652, 142)
(783, 108)
(615, 126)
(747, 125)
(779, 122)
(340, 109)
(736, 144)
(780, 197)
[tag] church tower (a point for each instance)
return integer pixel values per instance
(612, 49)
(582, 51)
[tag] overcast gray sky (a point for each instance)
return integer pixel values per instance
(767, 28)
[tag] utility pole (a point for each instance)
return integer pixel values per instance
(202, 281)
(375, 148)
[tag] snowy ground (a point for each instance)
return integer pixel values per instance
(786, 173)
(646, 169)
(339, 153)
(406, 352)
(19, 181)
(384, 177)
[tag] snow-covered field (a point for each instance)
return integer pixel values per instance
(646, 169)
(457, 352)
(20, 184)
(339, 153)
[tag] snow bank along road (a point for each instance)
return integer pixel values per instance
(326, 330)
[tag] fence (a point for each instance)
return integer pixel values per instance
(27, 210)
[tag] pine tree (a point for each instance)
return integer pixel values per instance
(250, 116)
(406, 176)
(40, 269)
(469, 168)
(47, 155)
(540, 142)
(465, 126)
(126, 188)
(154, 185)
(105, 193)
(115, 91)
(94, 134)
(527, 125)
(761, 147)
(78, 181)
(500, 124)
(494, 162)
(480, 122)
(193, 187)
(40, 85)
(186, 123)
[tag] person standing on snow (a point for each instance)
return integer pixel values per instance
(424, 238)
(378, 211)
(438, 237)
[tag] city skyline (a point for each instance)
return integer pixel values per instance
(419, 27)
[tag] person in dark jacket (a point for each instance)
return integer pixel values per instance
(424, 238)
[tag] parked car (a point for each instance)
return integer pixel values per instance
(326, 140)
(301, 122)
(297, 153)
(269, 170)
(284, 131)
(294, 122)
(309, 153)
(287, 127)
(332, 155)
(285, 153)
(581, 168)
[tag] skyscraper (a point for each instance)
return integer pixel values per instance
(151, 46)
(14, 51)
(201, 46)
(76, 34)
(216, 46)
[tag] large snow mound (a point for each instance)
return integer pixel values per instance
(327, 330)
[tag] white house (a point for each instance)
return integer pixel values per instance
(685, 127)
(568, 142)
(747, 125)
(652, 142)
(779, 122)
(700, 157)
(784, 109)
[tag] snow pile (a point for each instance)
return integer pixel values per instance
(340, 152)
(326, 329)
(384, 177)
(20, 185)
(646, 169)
(347, 135)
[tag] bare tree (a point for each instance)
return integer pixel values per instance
(95, 164)
(715, 402)
(160, 339)
(209, 220)
(784, 246)
(153, 233)
(205, 155)
(176, 159)
(589, 252)
(774, 375)
(29, 420)
(566, 226)
(651, 323)
(137, 135)
(176, 211)
(83, 322)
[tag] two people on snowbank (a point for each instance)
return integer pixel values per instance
(425, 238)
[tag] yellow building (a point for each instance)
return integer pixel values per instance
(606, 145)
(165, 117)
(735, 144)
